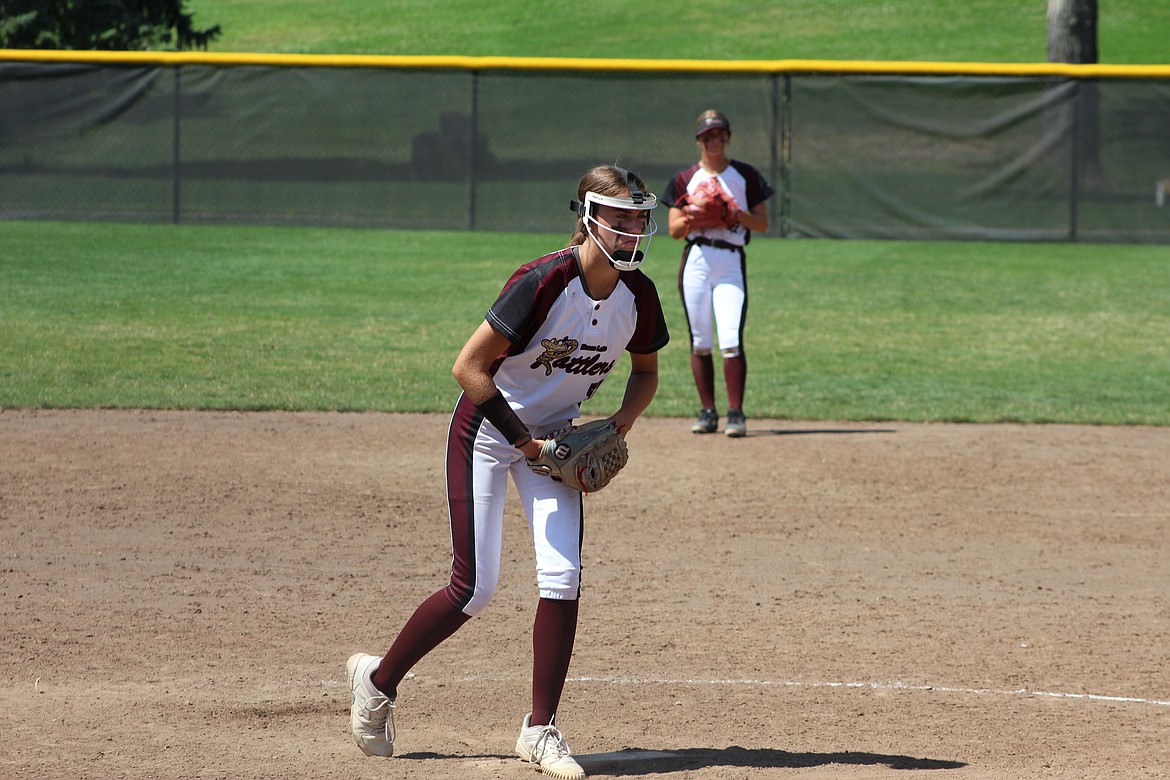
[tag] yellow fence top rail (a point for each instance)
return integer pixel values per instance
(455, 62)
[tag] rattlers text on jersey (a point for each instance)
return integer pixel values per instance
(565, 342)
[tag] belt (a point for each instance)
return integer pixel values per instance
(715, 242)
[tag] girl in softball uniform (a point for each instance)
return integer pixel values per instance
(713, 277)
(554, 334)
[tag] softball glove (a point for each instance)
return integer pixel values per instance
(583, 457)
(710, 206)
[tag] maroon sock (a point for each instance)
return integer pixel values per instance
(735, 374)
(552, 648)
(433, 621)
(703, 367)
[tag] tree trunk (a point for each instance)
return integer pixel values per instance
(1072, 37)
(1072, 31)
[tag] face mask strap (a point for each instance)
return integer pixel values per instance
(636, 193)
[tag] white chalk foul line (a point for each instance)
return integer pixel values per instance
(870, 686)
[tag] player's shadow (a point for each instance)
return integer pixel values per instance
(641, 761)
(817, 431)
(638, 761)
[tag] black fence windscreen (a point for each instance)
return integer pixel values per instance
(852, 156)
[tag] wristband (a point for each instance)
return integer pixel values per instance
(507, 422)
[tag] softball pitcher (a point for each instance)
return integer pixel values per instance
(554, 334)
(713, 275)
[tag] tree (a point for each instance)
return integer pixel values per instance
(1072, 37)
(1072, 31)
(121, 25)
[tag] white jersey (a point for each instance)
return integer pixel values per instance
(740, 180)
(565, 342)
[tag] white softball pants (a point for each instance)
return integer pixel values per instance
(714, 292)
(479, 463)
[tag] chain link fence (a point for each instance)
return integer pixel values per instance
(402, 143)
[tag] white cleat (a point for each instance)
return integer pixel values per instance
(371, 712)
(546, 748)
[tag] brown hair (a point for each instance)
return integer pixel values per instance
(604, 180)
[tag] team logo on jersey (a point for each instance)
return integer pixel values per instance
(558, 353)
(554, 349)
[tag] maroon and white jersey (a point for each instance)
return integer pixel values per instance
(565, 342)
(740, 180)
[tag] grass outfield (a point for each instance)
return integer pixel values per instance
(266, 318)
(100, 315)
(1129, 31)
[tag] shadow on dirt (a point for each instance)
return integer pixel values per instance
(636, 761)
(817, 431)
(641, 761)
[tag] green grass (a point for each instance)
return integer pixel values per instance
(1129, 31)
(266, 318)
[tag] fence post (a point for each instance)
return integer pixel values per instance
(774, 163)
(473, 163)
(1074, 163)
(785, 179)
(175, 152)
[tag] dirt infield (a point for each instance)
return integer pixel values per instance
(818, 600)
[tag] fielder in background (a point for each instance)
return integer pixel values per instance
(715, 205)
(551, 338)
